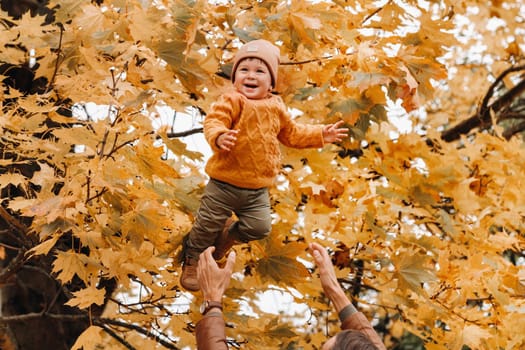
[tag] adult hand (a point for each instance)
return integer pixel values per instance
(227, 140)
(328, 278)
(342, 304)
(334, 133)
(213, 280)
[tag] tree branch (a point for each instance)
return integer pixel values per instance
(352, 283)
(116, 337)
(490, 91)
(513, 130)
(22, 318)
(138, 329)
(101, 322)
(98, 194)
(375, 12)
(173, 135)
(482, 116)
(14, 265)
(11, 221)
(57, 62)
(507, 98)
(511, 115)
(5, 245)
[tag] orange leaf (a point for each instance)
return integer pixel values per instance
(89, 339)
(86, 297)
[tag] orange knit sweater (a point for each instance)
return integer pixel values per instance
(255, 159)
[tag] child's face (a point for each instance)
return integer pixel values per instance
(253, 79)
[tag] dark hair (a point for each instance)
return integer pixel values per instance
(353, 340)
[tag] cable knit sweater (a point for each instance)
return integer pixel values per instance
(255, 159)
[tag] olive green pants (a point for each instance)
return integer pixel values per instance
(219, 201)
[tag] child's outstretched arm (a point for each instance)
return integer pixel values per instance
(333, 132)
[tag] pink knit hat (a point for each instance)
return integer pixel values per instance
(263, 50)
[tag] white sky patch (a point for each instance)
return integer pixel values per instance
(281, 302)
(399, 118)
(180, 122)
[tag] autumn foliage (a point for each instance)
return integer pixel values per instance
(426, 226)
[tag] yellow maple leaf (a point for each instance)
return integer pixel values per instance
(464, 198)
(424, 70)
(315, 188)
(474, 336)
(146, 220)
(36, 104)
(148, 160)
(91, 20)
(66, 9)
(52, 208)
(304, 26)
(68, 264)
(268, 334)
(45, 177)
(91, 238)
(44, 247)
(412, 271)
(279, 260)
(179, 147)
(89, 339)
(86, 297)
(368, 56)
(282, 269)
(31, 29)
(348, 109)
(12, 178)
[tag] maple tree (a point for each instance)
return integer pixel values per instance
(426, 227)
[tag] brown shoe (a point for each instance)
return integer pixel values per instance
(188, 280)
(224, 241)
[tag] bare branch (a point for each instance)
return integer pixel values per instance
(490, 91)
(14, 265)
(513, 130)
(507, 98)
(482, 116)
(98, 194)
(21, 318)
(173, 135)
(101, 322)
(11, 221)
(57, 62)
(375, 12)
(117, 337)
(510, 115)
(138, 329)
(7, 246)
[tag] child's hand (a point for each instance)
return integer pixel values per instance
(227, 140)
(333, 132)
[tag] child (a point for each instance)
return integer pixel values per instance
(244, 128)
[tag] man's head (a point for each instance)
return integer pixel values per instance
(263, 50)
(349, 340)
